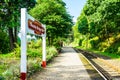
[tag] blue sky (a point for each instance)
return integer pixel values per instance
(74, 7)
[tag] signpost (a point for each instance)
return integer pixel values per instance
(32, 26)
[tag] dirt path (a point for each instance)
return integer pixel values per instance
(67, 66)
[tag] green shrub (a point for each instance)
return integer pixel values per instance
(34, 49)
(12, 73)
(58, 43)
(38, 43)
(17, 50)
(4, 42)
(34, 52)
(33, 66)
(80, 42)
(35, 44)
(51, 52)
(84, 43)
(94, 42)
(118, 50)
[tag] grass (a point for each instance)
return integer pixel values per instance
(10, 63)
(6, 55)
(111, 55)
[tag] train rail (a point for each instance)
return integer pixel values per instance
(100, 66)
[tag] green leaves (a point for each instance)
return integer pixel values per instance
(101, 19)
(10, 18)
(83, 25)
(53, 13)
(103, 13)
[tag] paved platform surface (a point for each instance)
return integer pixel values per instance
(67, 66)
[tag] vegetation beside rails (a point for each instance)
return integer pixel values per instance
(95, 29)
(111, 55)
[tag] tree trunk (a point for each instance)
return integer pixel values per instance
(15, 34)
(49, 42)
(11, 38)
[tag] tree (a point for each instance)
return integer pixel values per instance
(101, 20)
(104, 14)
(53, 13)
(11, 17)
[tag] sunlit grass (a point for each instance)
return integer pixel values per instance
(8, 55)
(10, 62)
(111, 55)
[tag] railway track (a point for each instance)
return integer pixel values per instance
(100, 66)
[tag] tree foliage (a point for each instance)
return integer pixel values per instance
(83, 24)
(50, 12)
(53, 13)
(100, 18)
(105, 15)
(10, 18)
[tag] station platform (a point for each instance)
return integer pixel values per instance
(66, 66)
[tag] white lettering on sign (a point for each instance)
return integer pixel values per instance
(36, 26)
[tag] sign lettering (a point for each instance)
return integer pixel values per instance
(36, 26)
